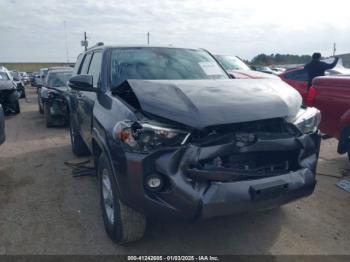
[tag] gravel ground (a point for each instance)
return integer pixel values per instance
(44, 210)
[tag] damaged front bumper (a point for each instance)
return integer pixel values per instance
(57, 102)
(8, 100)
(208, 181)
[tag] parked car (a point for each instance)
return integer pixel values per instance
(2, 125)
(236, 68)
(32, 78)
(43, 76)
(40, 80)
(53, 97)
(278, 70)
(331, 95)
(264, 69)
(24, 77)
(20, 85)
(9, 96)
(173, 136)
(298, 77)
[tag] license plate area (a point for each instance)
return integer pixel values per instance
(269, 190)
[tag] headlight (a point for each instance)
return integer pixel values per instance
(307, 120)
(143, 137)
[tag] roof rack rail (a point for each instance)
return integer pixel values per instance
(97, 44)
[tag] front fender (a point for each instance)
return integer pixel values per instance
(44, 93)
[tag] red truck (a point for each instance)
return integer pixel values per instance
(331, 95)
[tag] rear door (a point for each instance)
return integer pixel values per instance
(298, 79)
(86, 100)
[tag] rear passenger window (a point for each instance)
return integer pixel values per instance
(85, 67)
(95, 67)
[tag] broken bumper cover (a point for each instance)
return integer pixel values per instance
(198, 194)
(259, 194)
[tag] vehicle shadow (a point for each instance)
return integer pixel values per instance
(250, 233)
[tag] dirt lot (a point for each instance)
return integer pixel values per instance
(44, 210)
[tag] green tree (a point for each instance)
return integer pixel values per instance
(280, 59)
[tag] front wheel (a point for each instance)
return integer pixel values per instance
(122, 223)
(41, 110)
(23, 93)
(48, 116)
(16, 108)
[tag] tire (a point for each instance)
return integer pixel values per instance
(23, 93)
(16, 107)
(79, 147)
(122, 223)
(41, 110)
(48, 116)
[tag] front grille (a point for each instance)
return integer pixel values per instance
(258, 163)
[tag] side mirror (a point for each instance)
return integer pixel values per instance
(82, 83)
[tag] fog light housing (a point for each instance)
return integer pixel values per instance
(154, 182)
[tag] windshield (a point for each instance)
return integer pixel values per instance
(57, 79)
(231, 62)
(163, 64)
(4, 76)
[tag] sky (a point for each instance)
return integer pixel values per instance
(34, 31)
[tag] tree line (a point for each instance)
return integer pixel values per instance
(279, 59)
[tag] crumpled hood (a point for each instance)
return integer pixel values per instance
(6, 84)
(203, 103)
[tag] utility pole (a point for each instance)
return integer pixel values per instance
(334, 48)
(84, 42)
(148, 38)
(65, 39)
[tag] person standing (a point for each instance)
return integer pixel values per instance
(316, 67)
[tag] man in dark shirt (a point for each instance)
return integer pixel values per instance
(317, 68)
